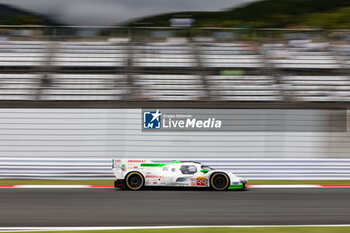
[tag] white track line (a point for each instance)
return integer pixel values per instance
(14, 229)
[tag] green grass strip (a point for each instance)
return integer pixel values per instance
(223, 230)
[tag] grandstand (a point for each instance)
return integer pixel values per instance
(173, 69)
(84, 54)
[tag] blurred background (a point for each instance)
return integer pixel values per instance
(75, 75)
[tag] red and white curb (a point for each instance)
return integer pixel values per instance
(111, 186)
(56, 186)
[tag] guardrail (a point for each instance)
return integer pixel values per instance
(100, 168)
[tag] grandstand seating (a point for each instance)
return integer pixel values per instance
(19, 86)
(344, 54)
(184, 71)
(89, 54)
(168, 87)
(304, 57)
(317, 88)
(22, 53)
(243, 88)
(163, 55)
(85, 87)
(230, 55)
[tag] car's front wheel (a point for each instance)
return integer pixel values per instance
(219, 181)
(134, 181)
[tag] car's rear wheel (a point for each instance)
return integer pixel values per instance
(134, 181)
(219, 181)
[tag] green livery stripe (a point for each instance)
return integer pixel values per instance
(158, 164)
(236, 186)
(176, 161)
(152, 164)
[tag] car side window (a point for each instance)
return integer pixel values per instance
(188, 169)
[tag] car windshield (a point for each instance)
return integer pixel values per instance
(207, 167)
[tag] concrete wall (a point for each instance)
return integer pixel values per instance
(105, 133)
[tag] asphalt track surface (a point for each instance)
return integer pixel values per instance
(107, 207)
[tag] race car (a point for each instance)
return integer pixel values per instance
(134, 174)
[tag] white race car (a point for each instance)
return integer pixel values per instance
(135, 174)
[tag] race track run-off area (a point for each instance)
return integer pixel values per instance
(44, 207)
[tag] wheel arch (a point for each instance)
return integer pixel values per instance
(132, 172)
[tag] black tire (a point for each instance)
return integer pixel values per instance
(134, 181)
(219, 181)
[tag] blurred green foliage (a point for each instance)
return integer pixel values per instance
(13, 16)
(269, 13)
(336, 19)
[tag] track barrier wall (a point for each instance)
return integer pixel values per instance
(52, 143)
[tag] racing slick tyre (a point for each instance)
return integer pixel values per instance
(134, 181)
(219, 181)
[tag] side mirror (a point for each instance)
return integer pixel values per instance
(205, 170)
